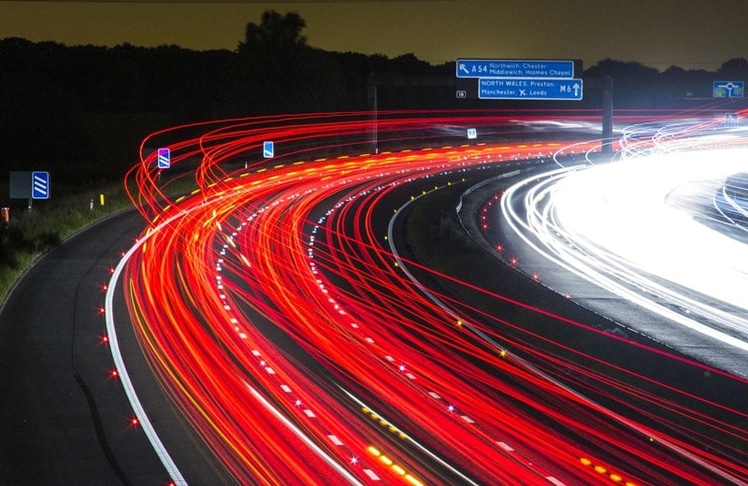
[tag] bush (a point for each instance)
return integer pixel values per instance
(31, 233)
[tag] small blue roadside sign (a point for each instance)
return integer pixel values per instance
(268, 149)
(530, 89)
(163, 158)
(509, 68)
(727, 89)
(40, 185)
(732, 120)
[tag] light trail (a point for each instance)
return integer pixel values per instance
(124, 376)
(636, 227)
(272, 287)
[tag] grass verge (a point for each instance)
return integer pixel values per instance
(31, 233)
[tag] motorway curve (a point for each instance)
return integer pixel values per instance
(276, 312)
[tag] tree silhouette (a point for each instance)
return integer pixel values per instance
(734, 69)
(276, 32)
(635, 85)
(277, 72)
(69, 106)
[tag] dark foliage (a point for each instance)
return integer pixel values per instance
(67, 108)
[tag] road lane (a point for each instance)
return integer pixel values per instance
(62, 417)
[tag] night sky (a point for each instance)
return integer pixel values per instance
(692, 34)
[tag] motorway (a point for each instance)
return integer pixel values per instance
(657, 227)
(278, 325)
(63, 413)
(64, 417)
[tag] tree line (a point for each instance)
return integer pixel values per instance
(71, 107)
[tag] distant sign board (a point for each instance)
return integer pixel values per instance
(40, 185)
(268, 149)
(732, 120)
(530, 89)
(728, 89)
(508, 68)
(30, 185)
(20, 184)
(163, 158)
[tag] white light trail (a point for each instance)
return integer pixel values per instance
(637, 227)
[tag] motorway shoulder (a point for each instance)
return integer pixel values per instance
(63, 415)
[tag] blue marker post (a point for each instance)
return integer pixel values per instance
(268, 149)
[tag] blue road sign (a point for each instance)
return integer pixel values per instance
(727, 89)
(530, 89)
(164, 158)
(507, 68)
(268, 149)
(40, 185)
(732, 120)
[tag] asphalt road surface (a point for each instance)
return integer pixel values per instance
(64, 418)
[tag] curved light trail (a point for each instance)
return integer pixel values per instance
(276, 315)
(638, 227)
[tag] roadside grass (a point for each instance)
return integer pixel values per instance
(31, 233)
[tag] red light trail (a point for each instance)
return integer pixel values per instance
(274, 311)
